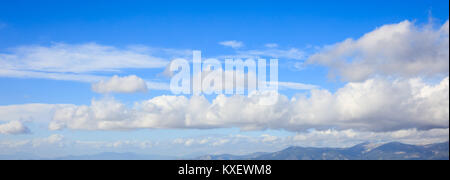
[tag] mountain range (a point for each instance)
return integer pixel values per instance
(364, 151)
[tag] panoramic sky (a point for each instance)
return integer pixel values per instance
(85, 77)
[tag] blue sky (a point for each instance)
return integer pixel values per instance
(40, 42)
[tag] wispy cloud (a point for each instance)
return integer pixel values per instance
(57, 145)
(275, 53)
(271, 45)
(83, 58)
(233, 44)
(81, 62)
(158, 86)
(234, 79)
(296, 86)
(51, 75)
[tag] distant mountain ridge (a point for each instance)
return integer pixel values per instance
(364, 151)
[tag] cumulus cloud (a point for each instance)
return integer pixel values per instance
(233, 44)
(372, 105)
(127, 84)
(39, 113)
(13, 127)
(399, 50)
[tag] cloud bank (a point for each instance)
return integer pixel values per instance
(223, 144)
(373, 105)
(399, 50)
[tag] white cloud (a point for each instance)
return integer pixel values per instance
(314, 138)
(292, 53)
(298, 66)
(233, 44)
(81, 58)
(13, 127)
(88, 117)
(444, 28)
(48, 75)
(244, 144)
(40, 113)
(235, 79)
(296, 86)
(54, 139)
(127, 84)
(57, 145)
(167, 72)
(32, 144)
(274, 53)
(402, 49)
(158, 86)
(268, 138)
(347, 138)
(271, 45)
(372, 105)
(80, 62)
